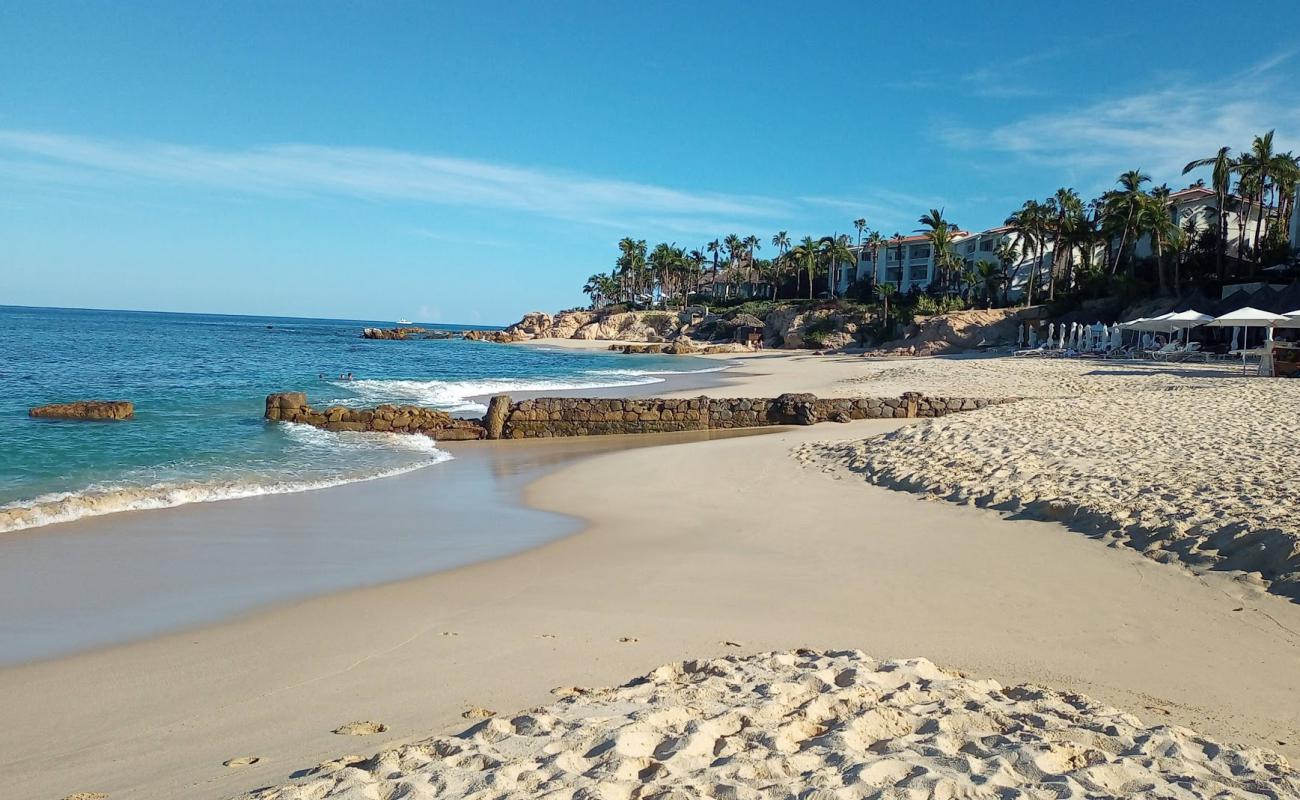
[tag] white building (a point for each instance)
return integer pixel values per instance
(1199, 205)
(908, 262)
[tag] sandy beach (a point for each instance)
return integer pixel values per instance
(734, 546)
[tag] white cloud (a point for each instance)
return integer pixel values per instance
(1158, 130)
(371, 173)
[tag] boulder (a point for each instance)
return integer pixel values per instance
(797, 408)
(85, 409)
(495, 419)
(682, 346)
(391, 333)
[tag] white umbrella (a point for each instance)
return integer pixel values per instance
(1247, 318)
(1292, 320)
(1185, 320)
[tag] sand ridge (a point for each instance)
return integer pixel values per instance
(808, 724)
(1191, 464)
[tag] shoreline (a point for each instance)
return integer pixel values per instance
(1050, 608)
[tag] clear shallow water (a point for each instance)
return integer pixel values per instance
(198, 383)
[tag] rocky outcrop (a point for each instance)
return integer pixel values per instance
(392, 333)
(679, 347)
(85, 409)
(500, 337)
(293, 407)
(959, 331)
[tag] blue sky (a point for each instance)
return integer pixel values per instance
(469, 162)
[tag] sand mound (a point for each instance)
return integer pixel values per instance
(1193, 464)
(809, 725)
(956, 332)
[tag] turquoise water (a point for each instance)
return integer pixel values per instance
(199, 382)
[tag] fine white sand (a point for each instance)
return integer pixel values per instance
(804, 724)
(1190, 463)
(692, 551)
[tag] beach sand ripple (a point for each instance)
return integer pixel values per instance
(1188, 464)
(809, 724)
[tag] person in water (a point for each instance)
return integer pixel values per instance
(350, 377)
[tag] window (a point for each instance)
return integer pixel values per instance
(986, 246)
(919, 251)
(970, 248)
(892, 255)
(920, 273)
(894, 275)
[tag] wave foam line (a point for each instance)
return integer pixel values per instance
(58, 507)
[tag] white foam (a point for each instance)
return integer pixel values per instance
(97, 500)
(454, 395)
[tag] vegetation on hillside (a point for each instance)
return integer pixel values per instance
(1093, 246)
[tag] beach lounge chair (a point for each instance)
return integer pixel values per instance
(1174, 352)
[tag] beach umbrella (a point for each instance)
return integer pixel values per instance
(1247, 318)
(1184, 321)
(1292, 320)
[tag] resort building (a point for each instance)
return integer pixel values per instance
(1198, 206)
(908, 262)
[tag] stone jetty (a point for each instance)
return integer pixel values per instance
(547, 417)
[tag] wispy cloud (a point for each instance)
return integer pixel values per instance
(374, 174)
(884, 209)
(1158, 130)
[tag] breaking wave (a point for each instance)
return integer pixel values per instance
(454, 396)
(100, 499)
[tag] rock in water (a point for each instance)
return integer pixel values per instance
(86, 409)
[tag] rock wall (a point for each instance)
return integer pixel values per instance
(547, 417)
(566, 416)
(293, 407)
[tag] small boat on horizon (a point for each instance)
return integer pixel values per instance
(403, 322)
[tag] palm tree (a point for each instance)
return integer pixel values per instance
(875, 241)
(1155, 219)
(885, 291)
(696, 260)
(806, 255)
(939, 231)
(714, 247)
(1221, 179)
(1028, 224)
(1068, 207)
(1007, 255)
(860, 225)
(751, 243)
(987, 276)
(1257, 164)
(834, 249)
(1125, 204)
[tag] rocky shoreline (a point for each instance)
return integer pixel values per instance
(825, 326)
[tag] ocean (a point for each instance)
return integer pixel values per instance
(199, 382)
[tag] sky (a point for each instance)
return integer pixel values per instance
(468, 162)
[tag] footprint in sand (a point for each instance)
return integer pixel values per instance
(450, 633)
(86, 796)
(546, 636)
(242, 761)
(364, 728)
(729, 643)
(628, 639)
(478, 713)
